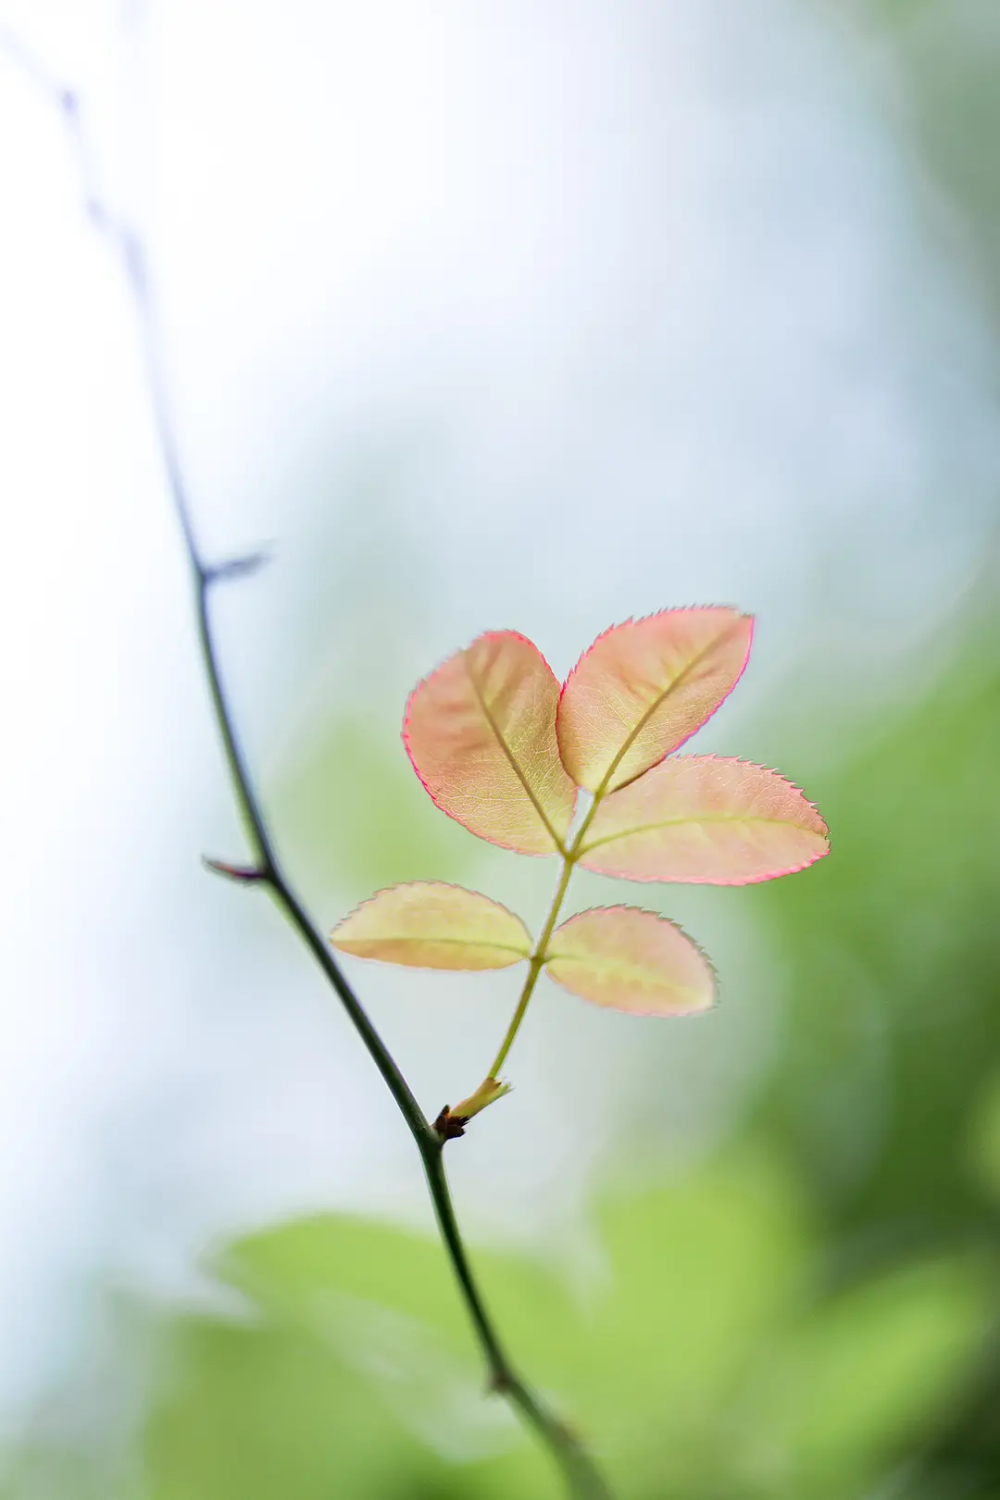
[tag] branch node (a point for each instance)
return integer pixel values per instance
(448, 1126)
(241, 874)
(451, 1123)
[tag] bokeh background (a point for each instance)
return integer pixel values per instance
(482, 315)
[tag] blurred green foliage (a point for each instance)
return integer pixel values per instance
(385, 829)
(945, 54)
(895, 975)
(706, 1360)
(814, 1311)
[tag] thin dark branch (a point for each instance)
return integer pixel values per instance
(583, 1480)
(205, 577)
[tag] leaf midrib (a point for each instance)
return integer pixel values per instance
(655, 705)
(633, 973)
(491, 721)
(626, 833)
(453, 942)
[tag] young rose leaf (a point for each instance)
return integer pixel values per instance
(644, 687)
(480, 732)
(702, 818)
(631, 960)
(429, 925)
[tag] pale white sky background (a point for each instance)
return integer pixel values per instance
(634, 304)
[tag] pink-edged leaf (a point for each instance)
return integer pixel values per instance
(429, 925)
(631, 960)
(644, 687)
(705, 819)
(481, 734)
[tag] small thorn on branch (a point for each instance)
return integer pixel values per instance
(242, 874)
(237, 567)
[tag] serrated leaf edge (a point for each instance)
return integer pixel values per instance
(641, 620)
(621, 906)
(438, 885)
(743, 880)
(407, 746)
